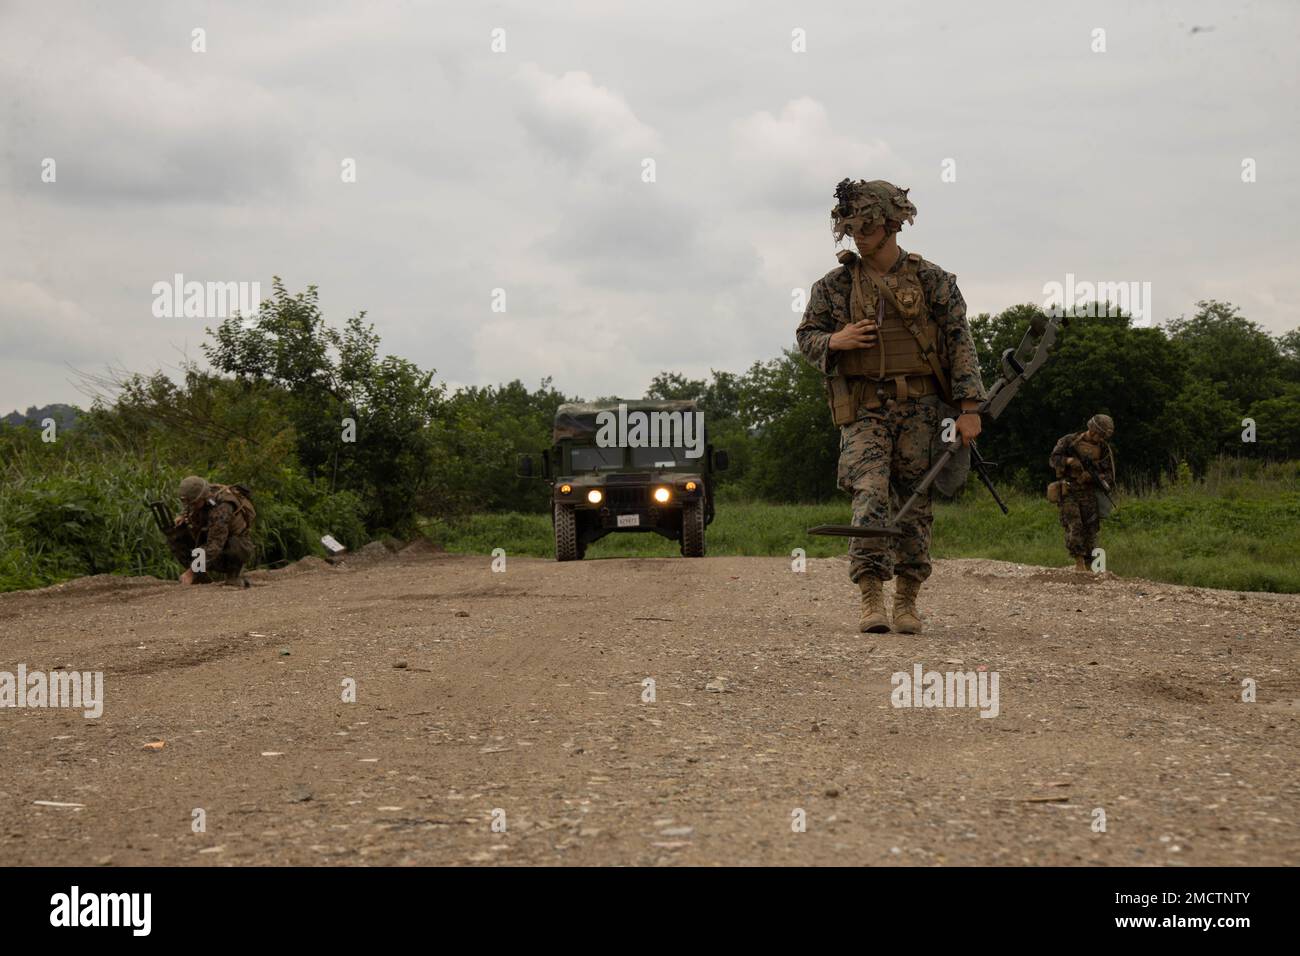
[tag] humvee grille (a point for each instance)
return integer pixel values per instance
(630, 498)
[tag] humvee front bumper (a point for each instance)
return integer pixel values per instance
(629, 505)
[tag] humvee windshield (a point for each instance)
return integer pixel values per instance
(663, 458)
(589, 458)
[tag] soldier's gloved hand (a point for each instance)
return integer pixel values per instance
(855, 335)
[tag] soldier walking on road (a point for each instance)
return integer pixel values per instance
(218, 519)
(1085, 472)
(888, 330)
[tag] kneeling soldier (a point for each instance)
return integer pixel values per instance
(219, 520)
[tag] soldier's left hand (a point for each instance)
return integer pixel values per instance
(969, 426)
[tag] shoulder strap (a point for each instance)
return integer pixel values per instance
(922, 339)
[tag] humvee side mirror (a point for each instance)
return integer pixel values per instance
(525, 469)
(720, 461)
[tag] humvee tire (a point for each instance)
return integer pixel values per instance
(693, 529)
(566, 534)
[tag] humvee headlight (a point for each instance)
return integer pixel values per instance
(594, 496)
(690, 486)
(661, 495)
(566, 489)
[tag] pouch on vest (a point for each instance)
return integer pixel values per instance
(1056, 492)
(844, 395)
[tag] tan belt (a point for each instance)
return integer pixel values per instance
(877, 392)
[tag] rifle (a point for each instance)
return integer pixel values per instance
(1090, 466)
(164, 519)
(162, 516)
(1018, 366)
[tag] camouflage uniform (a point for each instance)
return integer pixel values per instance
(1078, 507)
(219, 522)
(894, 440)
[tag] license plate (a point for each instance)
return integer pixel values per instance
(629, 521)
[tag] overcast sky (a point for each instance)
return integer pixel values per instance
(523, 170)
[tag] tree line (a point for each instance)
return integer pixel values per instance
(336, 437)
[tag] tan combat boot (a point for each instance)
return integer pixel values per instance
(874, 619)
(906, 620)
(1081, 563)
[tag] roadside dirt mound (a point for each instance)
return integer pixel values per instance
(301, 566)
(420, 548)
(372, 553)
(91, 588)
(97, 584)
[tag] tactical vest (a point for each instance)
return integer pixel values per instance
(896, 366)
(897, 352)
(241, 520)
(1088, 449)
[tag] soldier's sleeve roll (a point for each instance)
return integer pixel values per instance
(948, 309)
(814, 333)
(218, 531)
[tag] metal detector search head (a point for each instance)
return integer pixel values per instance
(857, 531)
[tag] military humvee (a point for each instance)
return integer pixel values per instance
(599, 486)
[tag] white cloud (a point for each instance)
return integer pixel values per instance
(581, 122)
(128, 131)
(38, 325)
(798, 154)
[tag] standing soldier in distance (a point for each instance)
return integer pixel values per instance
(218, 519)
(888, 330)
(1077, 489)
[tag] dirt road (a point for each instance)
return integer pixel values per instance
(518, 698)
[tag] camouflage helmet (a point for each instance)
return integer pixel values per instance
(861, 206)
(1103, 425)
(192, 489)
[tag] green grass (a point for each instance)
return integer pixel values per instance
(1239, 534)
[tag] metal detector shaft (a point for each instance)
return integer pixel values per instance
(893, 529)
(923, 486)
